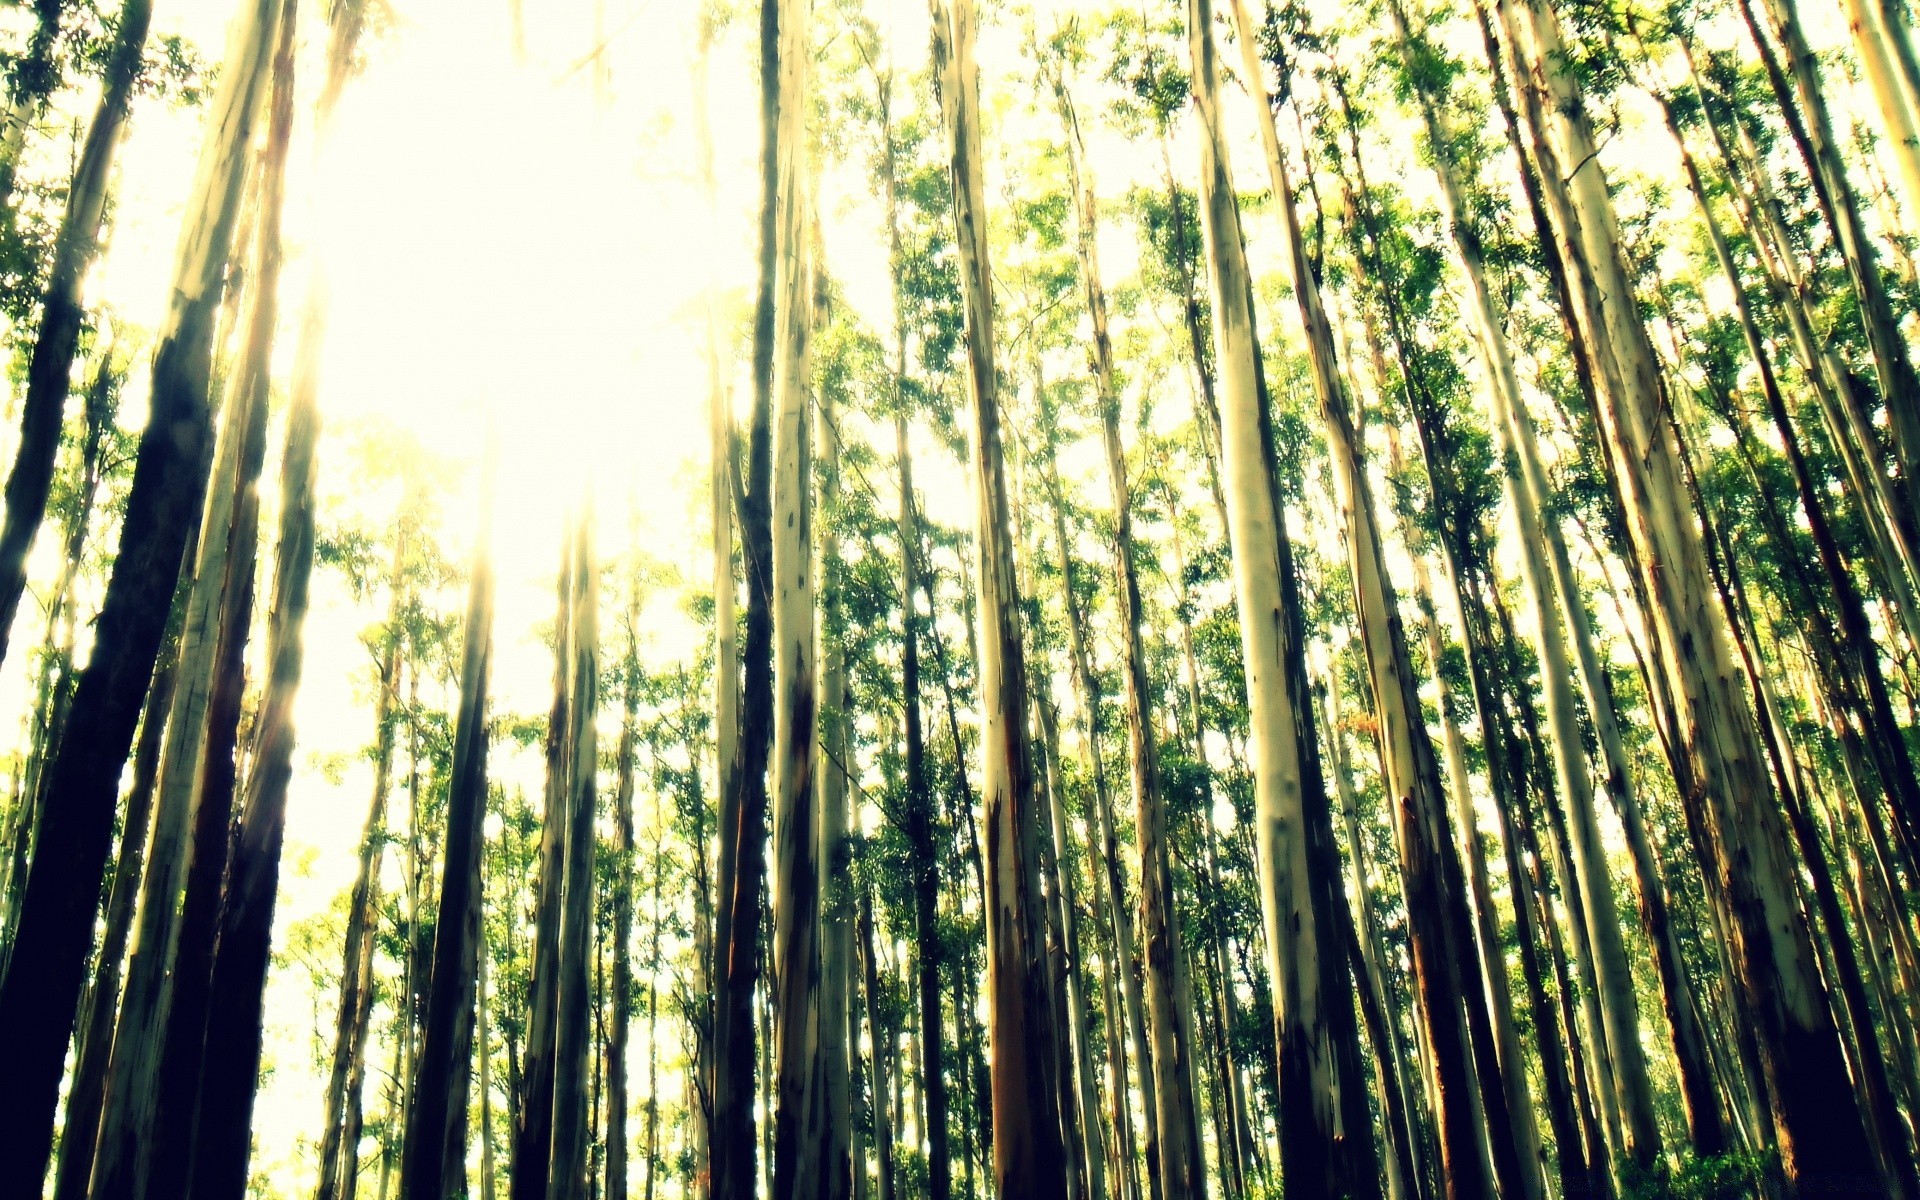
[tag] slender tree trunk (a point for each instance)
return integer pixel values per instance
(336, 1149)
(48, 961)
(533, 1132)
(435, 1126)
(798, 865)
(179, 1082)
(623, 879)
(836, 840)
(1803, 106)
(1169, 992)
(1029, 1160)
(1742, 843)
(1110, 879)
(743, 814)
(920, 801)
(726, 652)
(86, 1093)
(883, 1048)
(572, 1055)
(1293, 891)
(32, 79)
(62, 313)
(1391, 1060)
(483, 1025)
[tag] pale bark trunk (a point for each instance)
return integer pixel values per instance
(1874, 43)
(350, 1026)
(836, 842)
(1798, 79)
(1743, 845)
(1110, 877)
(921, 804)
(32, 79)
(721, 467)
(1404, 1177)
(483, 1037)
(1089, 1133)
(1525, 489)
(798, 1128)
(1309, 1127)
(883, 1050)
(184, 1054)
(1164, 965)
(1455, 1012)
(1029, 1160)
(127, 638)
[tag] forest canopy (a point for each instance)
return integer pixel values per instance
(865, 600)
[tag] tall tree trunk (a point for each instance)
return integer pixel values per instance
(62, 314)
(743, 814)
(48, 961)
(356, 971)
(920, 800)
(1302, 958)
(1110, 877)
(623, 881)
(435, 1126)
(1391, 1060)
(86, 1093)
(237, 989)
(533, 1131)
(1169, 989)
(1550, 584)
(483, 1047)
(721, 476)
(1028, 1157)
(798, 869)
(1454, 1012)
(920, 822)
(836, 840)
(1803, 106)
(1741, 843)
(179, 1083)
(883, 1049)
(573, 1002)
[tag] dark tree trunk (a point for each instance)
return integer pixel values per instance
(48, 964)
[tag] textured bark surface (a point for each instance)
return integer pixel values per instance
(1738, 830)
(1309, 1134)
(62, 314)
(1028, 1157)
(48, 961)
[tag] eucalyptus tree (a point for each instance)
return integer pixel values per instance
(1296, 892)
(1028, 1157)
(1735, 822)
(434, 1154)
(799, 1166)
(1165, 967)
(1553, 590)
(740, 876)
(917, 289)
(62, 315)
(49, 952)
(148, 1122)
